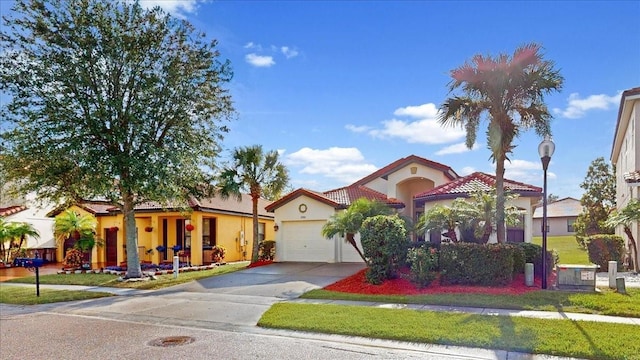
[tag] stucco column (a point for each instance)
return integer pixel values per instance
(528, 224)
(155, 234)
(196, 239)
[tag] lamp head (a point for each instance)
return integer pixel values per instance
(546, 147)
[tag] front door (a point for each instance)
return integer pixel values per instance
(111, 243)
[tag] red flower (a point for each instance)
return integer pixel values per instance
(189, 227)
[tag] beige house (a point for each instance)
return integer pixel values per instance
(561, 216)
(625, 154)
(405, 185)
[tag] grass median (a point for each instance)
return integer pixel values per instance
(26, 295)
(588, 340)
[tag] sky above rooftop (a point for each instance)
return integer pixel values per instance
(343, 88)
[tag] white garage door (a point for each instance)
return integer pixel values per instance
(348, 253)
(303, 241)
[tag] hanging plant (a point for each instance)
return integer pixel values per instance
(148, 229)
(114, 228)
(189, 227)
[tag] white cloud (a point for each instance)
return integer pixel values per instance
(288, 52)
(425, 130)
(457, 149)
(345, 165)
(467, 170)
(357, 129)
(176, 7)
(577, 107)
(250, 45)
(428, 111)
(528, 172)
(259, 61)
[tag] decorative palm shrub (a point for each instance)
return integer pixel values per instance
(73, 259)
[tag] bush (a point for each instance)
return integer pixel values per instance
(533, 254)
(73, 258)
(384, 242)
(424, 264)
(477, 264)
(218, 253)
(266, 250)
(604, 248)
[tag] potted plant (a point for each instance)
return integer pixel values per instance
(218, 253)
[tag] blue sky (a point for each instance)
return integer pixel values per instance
(343, 88)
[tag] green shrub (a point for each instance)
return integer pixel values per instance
(266, 250)
(73, 259)
(218, 253)
(604, 248)
(477, 264)
(533, 254)
(384, 242)
(424, 263)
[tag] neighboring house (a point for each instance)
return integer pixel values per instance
(27, 210)
(625, 155)
(228, 223)
(528, 196)
(301, 214)
(561, 215)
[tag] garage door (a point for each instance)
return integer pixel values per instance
(303, 241)
(348, 253)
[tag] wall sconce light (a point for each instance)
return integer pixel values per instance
(276, 227)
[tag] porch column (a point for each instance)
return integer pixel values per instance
(528, 224)
(155, 241)
(196, 239)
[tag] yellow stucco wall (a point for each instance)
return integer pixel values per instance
(229, 232)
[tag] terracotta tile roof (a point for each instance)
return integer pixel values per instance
(463, 186)
(302, 192)
(12, 210)
(347, 195)
(567, 207)
(394, 166)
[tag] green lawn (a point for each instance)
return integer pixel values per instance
(539, 336)
(109, 280)
(567, 248)
(606, 302)
(26, 295)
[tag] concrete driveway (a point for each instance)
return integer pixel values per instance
(286, 280)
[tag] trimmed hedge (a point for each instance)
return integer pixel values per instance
(477, 264)
(533, 254)
(604, 248)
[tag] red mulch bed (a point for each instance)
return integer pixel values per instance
(357, 284)
(260, 263)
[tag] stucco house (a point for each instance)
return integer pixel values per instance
(207, 222)
(561, 215)
(625, 155)
(405, 185)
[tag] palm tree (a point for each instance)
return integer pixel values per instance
(624, 217)
(71, 226)
(511, 92)
(479, 212)
(348, 222)
(13, 236)
(441, 217)
(252, 170)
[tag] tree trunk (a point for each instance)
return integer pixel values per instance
(451, 234)
(500, 226)
(133, 258)
(634, 248)
(256, 241)
(486, 234)
(351, 240)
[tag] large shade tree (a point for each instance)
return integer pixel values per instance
(109, 100)
(256, 172)
(509, 92)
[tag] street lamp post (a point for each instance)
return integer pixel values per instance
(545, 149)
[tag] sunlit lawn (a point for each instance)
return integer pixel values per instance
(26, 295)
(540, 336)
(567, 248)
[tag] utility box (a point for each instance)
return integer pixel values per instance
(577, 277)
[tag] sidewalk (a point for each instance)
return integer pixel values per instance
(558, 315)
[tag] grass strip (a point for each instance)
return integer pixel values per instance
(581, 339)
(108, 280)
(22, 295)
(606, 302)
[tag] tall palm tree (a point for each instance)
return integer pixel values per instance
(624, 217)
(252, 170)
(348, 222)
(510, 90)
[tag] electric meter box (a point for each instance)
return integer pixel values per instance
(577, 277)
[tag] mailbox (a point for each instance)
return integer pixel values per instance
(28, 262)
